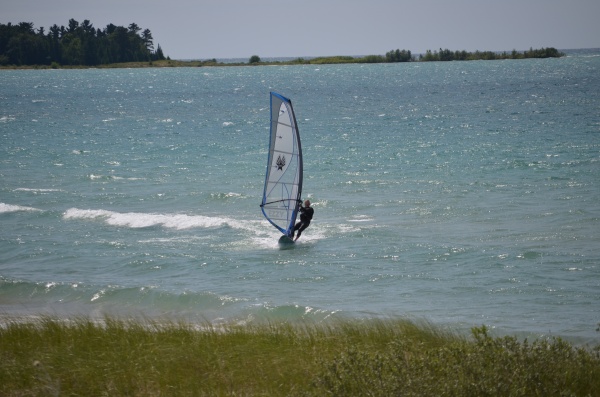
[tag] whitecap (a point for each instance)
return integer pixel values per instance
(361, 218)
(24, 189)
(137, 220)
(121, 178)
(6, 208)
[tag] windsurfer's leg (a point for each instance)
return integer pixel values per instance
(301, 228)
(296, 228)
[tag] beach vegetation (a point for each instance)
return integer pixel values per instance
(339, 358)
(332, 60)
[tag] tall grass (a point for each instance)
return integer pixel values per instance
(378, 358)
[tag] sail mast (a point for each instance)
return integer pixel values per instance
(283, 181)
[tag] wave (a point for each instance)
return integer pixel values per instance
(95, 177)
(70, 299)
(6, 208)
(36, 191)
(226, 196)
(137, 220)
(257, 233)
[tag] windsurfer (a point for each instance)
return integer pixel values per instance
(306, 214)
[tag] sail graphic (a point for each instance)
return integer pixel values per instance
(283, 182)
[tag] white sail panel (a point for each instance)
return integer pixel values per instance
(283, 182)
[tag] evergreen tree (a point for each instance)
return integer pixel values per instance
(147, 39)
(158, 55)
(77, 44)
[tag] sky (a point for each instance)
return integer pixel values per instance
(206, 29)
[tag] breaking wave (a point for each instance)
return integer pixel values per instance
(138, 220)
(6, 208)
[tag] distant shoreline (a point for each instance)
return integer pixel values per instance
(396, 56)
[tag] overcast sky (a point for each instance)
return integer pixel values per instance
(203, 29)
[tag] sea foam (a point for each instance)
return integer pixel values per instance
(142, 220)
(5, 208)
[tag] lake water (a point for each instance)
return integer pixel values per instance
(461, 193)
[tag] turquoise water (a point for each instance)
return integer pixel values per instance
(463, 193)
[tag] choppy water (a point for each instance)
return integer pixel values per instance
(464, 193)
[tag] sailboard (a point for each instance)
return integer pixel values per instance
(283, 182)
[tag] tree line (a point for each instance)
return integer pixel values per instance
(434, 56)
(76, 44)
(447, 55)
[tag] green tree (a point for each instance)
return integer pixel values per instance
(73, 51)
(158, 55)
(134, 28)
(26, 49)
(119, 45)
(147, 39)
(55, 49)
(73, 26)
(254, 59)
(398, 56)
(78, 44)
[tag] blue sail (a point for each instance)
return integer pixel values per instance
(283, 182)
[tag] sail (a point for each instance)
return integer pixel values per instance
(283, 183)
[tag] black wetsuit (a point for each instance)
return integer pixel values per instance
(306, 214)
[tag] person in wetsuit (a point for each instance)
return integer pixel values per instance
(306, 214)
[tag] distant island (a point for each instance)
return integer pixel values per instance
(429, 56)
(81, 45)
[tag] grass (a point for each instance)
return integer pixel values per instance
(50, 357)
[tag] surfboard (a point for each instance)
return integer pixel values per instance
(283, 181)
(285, 242)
